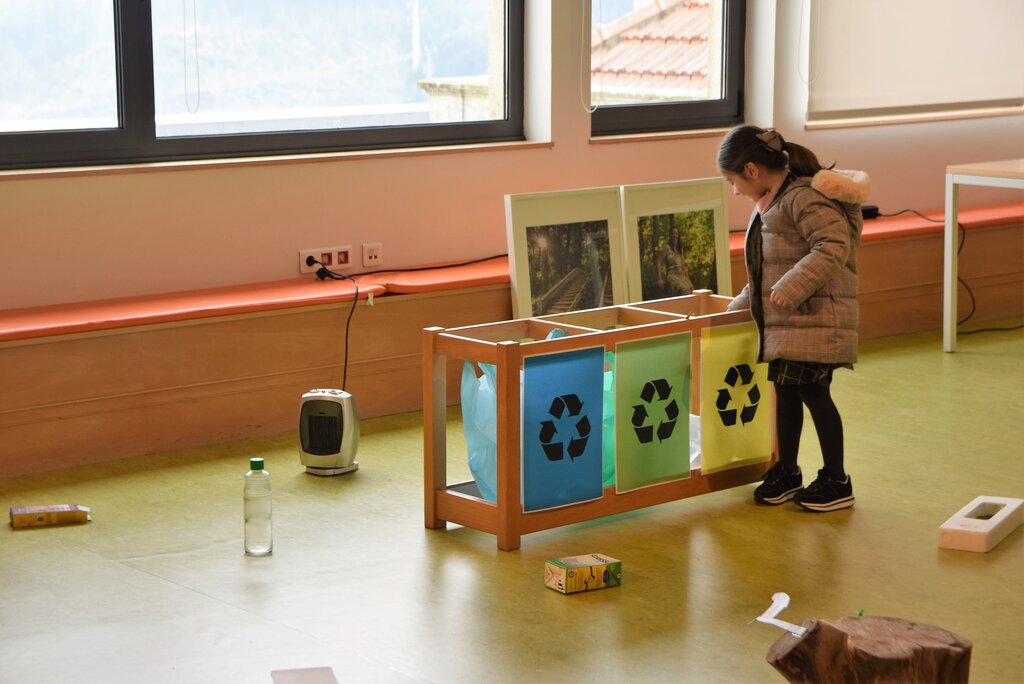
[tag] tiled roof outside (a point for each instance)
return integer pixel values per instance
(657, 52)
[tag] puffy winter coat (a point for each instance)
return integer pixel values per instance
(809, 236)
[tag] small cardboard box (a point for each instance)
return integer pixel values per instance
(59, 514)
(582, 573)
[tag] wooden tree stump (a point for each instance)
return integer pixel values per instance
(871, 649)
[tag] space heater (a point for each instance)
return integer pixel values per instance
(328, 432)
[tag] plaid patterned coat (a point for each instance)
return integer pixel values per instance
(804, 246)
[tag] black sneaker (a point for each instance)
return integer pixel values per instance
(779, 486)
(826, 493)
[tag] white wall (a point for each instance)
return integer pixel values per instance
(906, 162)
(67, 237)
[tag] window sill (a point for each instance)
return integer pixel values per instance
(193, 164)
(920, 117)
(658, 137)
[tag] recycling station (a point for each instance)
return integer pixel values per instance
(590, 413)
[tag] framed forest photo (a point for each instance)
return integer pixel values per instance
(565, 251)
(676, 238)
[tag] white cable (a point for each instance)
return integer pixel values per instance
(184, 54)
(583, 43)
(800, 42)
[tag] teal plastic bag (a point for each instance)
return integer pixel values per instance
(480, 422)
(480, 425)
(608, 423)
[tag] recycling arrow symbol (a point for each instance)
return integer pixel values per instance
(645, 431)
(737, 378)
(569, 406)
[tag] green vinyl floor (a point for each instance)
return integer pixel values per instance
(157, 589)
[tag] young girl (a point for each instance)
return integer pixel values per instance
(801, 258)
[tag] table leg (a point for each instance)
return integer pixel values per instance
(949, 272)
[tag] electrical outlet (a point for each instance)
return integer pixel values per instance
(373, 254)
(338, 258)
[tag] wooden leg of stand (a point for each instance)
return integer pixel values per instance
(435, 453)
(508, 429)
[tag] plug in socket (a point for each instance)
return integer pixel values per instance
(338, 258)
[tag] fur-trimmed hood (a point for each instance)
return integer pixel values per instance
(850, 187)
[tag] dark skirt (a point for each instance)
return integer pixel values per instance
(785, 372)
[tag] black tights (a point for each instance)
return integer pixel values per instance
(789, 421)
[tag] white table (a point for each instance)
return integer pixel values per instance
(998, 174)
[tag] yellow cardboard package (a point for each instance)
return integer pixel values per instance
(582, 573)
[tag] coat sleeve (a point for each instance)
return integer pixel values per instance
(740, 301)
(825, 228)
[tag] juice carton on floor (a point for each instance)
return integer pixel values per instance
(58, 514)
(582, 573)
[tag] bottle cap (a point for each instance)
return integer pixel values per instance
(256, 463)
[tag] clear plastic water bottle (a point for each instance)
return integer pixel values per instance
(258, 527)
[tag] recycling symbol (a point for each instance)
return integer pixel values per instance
(644, 429)
(738, 378)
(570, 406)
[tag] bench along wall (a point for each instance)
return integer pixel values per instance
(95, 396)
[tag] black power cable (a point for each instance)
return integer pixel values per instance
(963, 235)
(324, 273)
(914, 211)
(425, 268)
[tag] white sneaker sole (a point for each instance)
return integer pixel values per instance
(780, 498)
(838, 504)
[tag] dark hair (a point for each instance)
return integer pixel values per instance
(767, 148)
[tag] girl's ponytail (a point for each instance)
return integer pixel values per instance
(802, 161)
(767, 148)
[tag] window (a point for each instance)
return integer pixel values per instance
(111, 82)
(667, 65)
(949, 59)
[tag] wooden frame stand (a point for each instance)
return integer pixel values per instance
(505, 345)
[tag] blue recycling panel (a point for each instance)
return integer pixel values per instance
(562, 428)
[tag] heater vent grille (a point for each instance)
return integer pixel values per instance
(324, 435)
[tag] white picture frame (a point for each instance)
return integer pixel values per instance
(696, 208)
(566, 251)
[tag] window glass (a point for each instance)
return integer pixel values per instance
(647, 51)
(242, 66)
(57, 64)
(666, 65)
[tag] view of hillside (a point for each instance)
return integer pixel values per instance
(57, 56)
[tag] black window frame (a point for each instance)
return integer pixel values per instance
(624, 119)
(135, 139)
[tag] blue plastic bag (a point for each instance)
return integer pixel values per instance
(480, 425)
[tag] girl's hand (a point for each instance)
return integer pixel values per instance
(778, 299)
